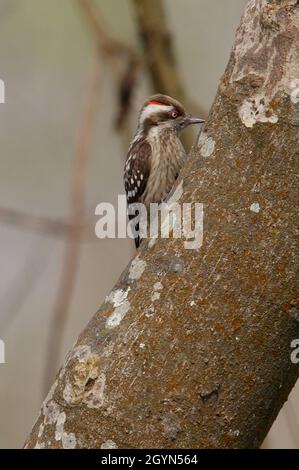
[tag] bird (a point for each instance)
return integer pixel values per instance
(156, 153)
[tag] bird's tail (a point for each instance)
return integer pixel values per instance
(137, 238)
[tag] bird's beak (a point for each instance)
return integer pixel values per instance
(189, 119)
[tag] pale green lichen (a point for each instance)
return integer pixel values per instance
(256, 110)
(158, 286)
(255, 207)
(206, 144)
(109, 445)
(118, 315)
(51, 412)
(121, 306)
(68, 440)
(53, 416)
(137, 268)
(117, 297)
(294, 91)
(61, 418)
(39, 445)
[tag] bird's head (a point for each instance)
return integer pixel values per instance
(165, 112)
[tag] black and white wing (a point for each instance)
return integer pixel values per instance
(137, 170)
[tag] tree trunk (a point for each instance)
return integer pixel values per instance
(192, 347)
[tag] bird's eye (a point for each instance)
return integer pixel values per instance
(174, 114)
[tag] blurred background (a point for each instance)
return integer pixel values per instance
(75, 74)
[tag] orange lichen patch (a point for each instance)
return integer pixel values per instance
(237, 323)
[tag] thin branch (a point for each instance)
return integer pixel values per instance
(40, 224)
(72, 248)
(123, 60)
(34, 223)
(108, 45)
(160, 55)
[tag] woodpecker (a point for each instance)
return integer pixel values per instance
(156, 154)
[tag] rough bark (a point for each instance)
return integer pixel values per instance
(192, 347)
